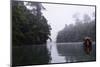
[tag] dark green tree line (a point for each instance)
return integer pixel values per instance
(76, 32)
(29, 26)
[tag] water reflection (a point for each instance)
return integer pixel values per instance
(74, 52)
(56, 58)
(30, 55)
(51, 53)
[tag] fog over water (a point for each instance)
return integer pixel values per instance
(58, 15)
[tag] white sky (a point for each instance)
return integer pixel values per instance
(58, 15)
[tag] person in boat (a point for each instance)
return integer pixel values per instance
(87, 45)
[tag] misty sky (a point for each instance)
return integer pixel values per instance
(58, 15)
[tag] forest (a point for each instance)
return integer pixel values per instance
(29, 29)
(76, 32)
(29, 26)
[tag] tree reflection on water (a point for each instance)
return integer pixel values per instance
(74, 52)
(56, 53)
(30, 55)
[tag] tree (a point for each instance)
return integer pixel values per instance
(29, 26)
(76, 32)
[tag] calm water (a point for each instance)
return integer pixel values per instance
(70, 52)
(52, 53)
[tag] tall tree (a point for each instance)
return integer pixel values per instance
(29, 26)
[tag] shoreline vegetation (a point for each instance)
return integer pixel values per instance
(29, 28)
(30, 32)
(82, 28)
